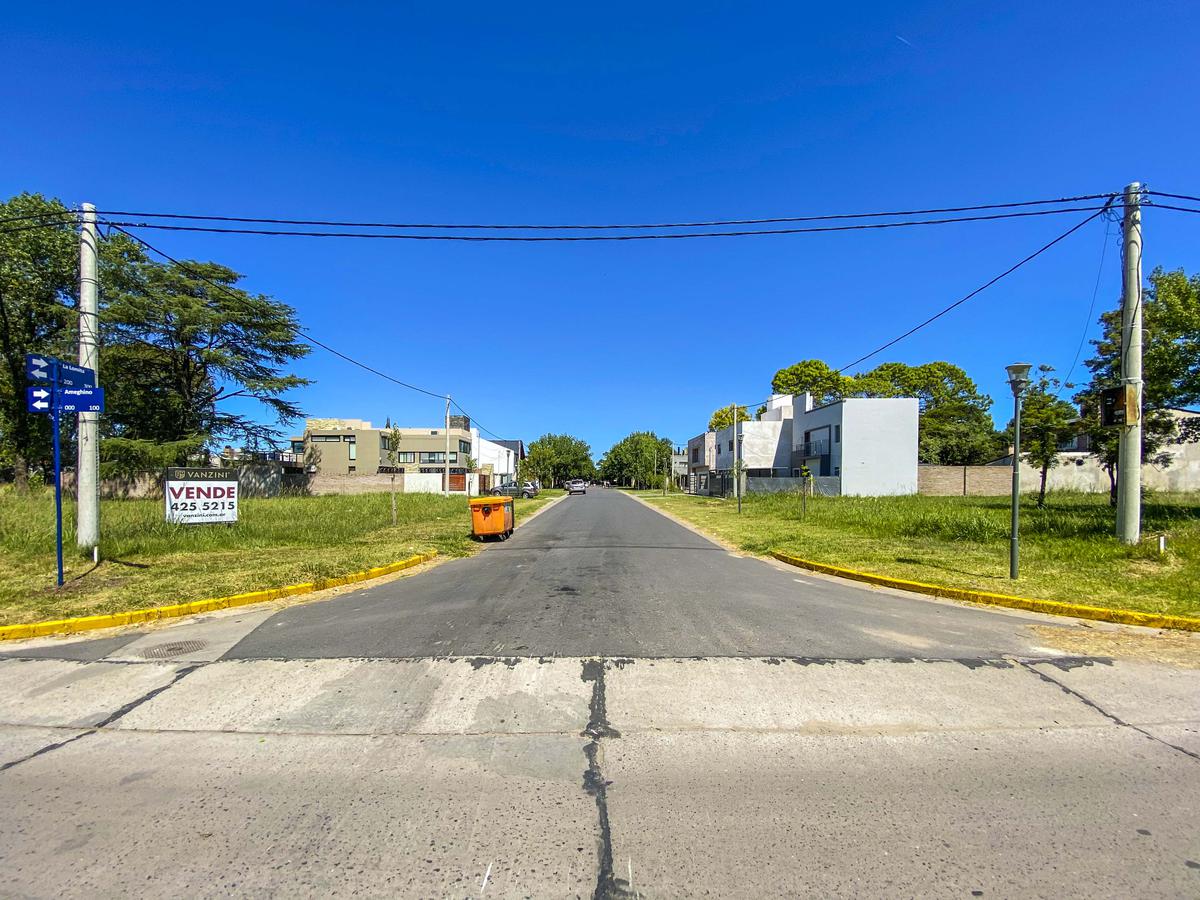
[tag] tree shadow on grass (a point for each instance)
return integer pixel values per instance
(936, 565)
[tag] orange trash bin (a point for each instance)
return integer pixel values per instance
(491, 517)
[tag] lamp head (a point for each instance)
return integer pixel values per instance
(1018, 377)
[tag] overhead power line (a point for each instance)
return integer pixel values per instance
(1173, 196)
(607, 226)
(476, 238)
(199, 275)
(979, 290)
(1087, 322)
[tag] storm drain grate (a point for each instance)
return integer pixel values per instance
(174, 648)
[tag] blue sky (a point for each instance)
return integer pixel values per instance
(620, 112)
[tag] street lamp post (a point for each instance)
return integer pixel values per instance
(1018, 380)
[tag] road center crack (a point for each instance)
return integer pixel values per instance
(598, 728)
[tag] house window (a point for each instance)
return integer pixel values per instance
(351, 468)
(464, 447)
(695, 454)
(353, 451)
(349, 438)
(731, 445)
(325, 438)
(837, 471)
(837, 434)
(385, 443)
(406, 456)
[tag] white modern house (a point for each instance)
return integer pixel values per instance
(869, 443)
(497, 460)
(766, 444)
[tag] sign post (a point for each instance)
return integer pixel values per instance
(58, 388)
(54, 425)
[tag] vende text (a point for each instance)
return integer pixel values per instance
(205, 493)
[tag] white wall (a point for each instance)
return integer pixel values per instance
(879, 446)
(778, 407)
(422, 483)
(501, 459)
(765, 445)
(431, 483)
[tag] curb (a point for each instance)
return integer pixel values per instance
(136, 616)
(1050, 607)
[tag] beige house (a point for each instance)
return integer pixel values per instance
(354, 447)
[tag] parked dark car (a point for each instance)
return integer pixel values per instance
(524, 489)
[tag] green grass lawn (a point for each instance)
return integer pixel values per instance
(1068, 551)
(147, 562)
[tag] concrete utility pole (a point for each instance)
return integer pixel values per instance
(87, 469)
(446, 486)
(1129, 465)
(737, 449)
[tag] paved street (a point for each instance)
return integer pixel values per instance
(606, 705)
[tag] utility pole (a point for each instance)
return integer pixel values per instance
(446, 486)
(737, 473)
(87, 468)
(1129, 465)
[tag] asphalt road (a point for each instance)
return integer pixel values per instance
(610, 706)
(603, 575)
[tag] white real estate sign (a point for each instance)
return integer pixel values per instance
(201, 496)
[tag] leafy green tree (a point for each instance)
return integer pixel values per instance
(958, 434)
(1171, 346)
(723, 417)
(177, 349)
(38, 285)
(637, 460)
(554, 458)
(810, 375)
(1046, 422)
(955, 427)
(1171, 371)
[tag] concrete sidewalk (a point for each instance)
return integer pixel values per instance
(560, 776)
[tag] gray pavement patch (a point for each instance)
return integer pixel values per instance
(1087, 701)
(184, 815)
(1030, 813)
(348, 696)
(79, 651)
(74, 694)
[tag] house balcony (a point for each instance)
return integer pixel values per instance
(811, 449)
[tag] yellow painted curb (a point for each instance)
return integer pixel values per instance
(1051, 607)
(135, 616)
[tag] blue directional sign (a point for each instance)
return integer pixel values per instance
(41, 368)
(77, 400)
(38, 399)
(64, 400)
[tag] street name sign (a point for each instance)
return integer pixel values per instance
(41, 368)
(64, 399)
(77, 400)
(197, 496)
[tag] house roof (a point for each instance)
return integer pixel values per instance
(517, 446)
